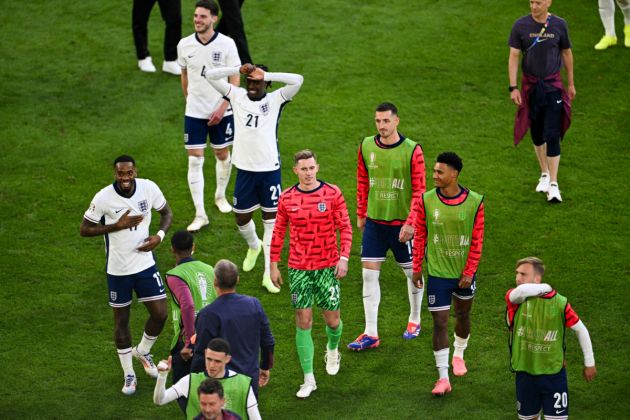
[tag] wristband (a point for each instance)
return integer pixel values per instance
(161, 234)
(511, 88)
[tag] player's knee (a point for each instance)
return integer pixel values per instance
(222, 154)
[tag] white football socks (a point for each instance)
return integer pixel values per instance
(146, 343)
(371, 300)
(126, 361)
(624, 5)
(248, 232)
(441, 362)
(196, 183)
(607, 15)
(223, 169)
(460, 345)
(415, 297)
(267, 235)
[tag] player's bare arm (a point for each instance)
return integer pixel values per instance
(263, 377)
(417, 280)
(276, 277)
(513, 60)
(589, 373)
(341, 269)
(184, 79)
(361, 223)
(406, 233)
(465, 281)
(166, 218)
(247, 68)
(567, 60)
(89, 228)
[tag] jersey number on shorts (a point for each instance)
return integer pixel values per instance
(334, 293)
(157, 278)
(561, 400)
(275, 191)
(252, 118)
(228, 130)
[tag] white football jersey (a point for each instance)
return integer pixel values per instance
(256, 130)
(108, 205)
(193, 55)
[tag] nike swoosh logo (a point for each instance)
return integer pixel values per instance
(542, 40)
(559, 102)
(295, 209)
(162, 290)
(366, 296)
(559, 412)
(118, 211)
(191, 56)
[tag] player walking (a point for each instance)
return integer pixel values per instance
(390, 176)
(314, 211)
(449, 226)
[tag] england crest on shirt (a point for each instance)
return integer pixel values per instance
(321, 207)
(264, 108)
(143, 206)
(216, 57)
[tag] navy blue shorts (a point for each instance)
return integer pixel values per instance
(147, 284)
(549, 392)
(441, 290)
(378, 238)
(257, 190)
(196, 131)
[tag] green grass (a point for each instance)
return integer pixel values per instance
(71, 100)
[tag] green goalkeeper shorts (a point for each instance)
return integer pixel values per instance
(315, 286)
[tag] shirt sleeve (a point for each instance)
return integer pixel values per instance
(293, 83)
(216, 77)
(420, 235)
(182, 295)
(585, 343)
(158, 201)
(342, 223)
(267, 342)
(565, 42)
(510, 310)
(233, 59)
(95, 212)
(570, 316)
(206, 328)
(252, 405)
(521, 293)
(418, 181)
(279, 230)
(476, 244)
(181, 58)
(363, 185)
(515, 40)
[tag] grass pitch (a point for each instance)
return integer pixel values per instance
(72, 100)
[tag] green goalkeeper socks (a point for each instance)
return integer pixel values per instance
(305, 349)
(334, 335)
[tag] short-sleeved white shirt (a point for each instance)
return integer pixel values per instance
(193, 55)
(108, 205)
(255, 146)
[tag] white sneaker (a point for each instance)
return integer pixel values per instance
(171, 67)
(197, 223)
(146, 65)
(147, 362)
(130, 385)
(306, 389)
(333, 361)
(222, 204)
(553, 194)
(543, 183)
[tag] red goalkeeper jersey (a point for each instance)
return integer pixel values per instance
(313, 218)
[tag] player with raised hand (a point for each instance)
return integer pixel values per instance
(314, 211)
(121, 212)
(537, 317)
(255, 153)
